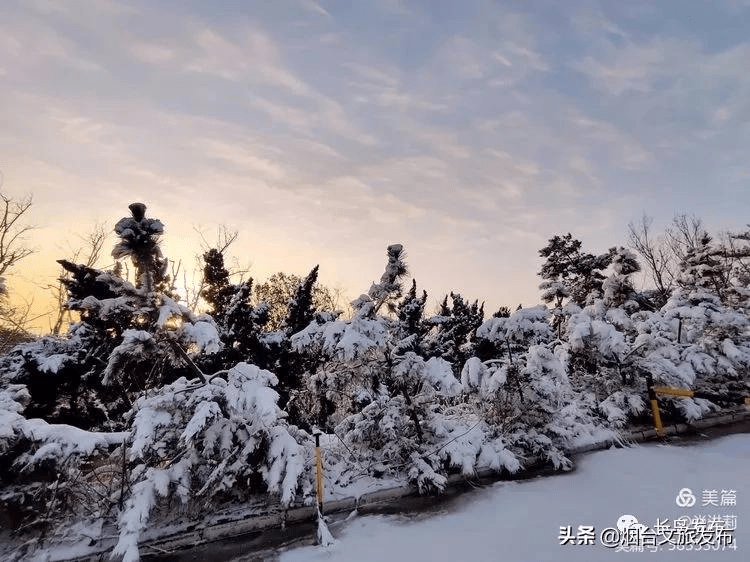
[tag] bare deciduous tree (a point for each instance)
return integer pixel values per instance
(279, 288)
(14, 318)
(13, 229)
(684, 234)
(662, 254)
(654, 252)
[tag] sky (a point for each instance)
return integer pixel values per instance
(323, 131)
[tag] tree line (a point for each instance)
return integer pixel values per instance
(209, 406)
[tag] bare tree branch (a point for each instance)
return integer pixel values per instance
(14, 319)
(12, 231)
(224, 239)
(685, 234)
(655, 254)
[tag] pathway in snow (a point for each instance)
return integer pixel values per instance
(522, 521)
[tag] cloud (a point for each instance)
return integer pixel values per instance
(636, 67)
(384, 87)
(374, 76)
(314, 7)
(462, 57)
(77, 8)
(25, 47)
(625, 152)
(591, 21)
(442, 142)
(243, 158)
(326, 131)
(255, 58)
(396, 7)
(527, 57)
(299, 119)
(153, 53)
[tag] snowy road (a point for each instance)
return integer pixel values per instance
(527, 521)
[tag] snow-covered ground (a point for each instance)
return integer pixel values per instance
(526, 521)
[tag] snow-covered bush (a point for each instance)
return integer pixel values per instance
(43, 467)
(352, 357)
(205, 444)
(525, 392)
(418, 426)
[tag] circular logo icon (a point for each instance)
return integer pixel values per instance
(625, 522)
(685, 498)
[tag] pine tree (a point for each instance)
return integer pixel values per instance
(139, 240)
(389, 289)
(301, 308)
(453, 329)
(240, 324)
(504, 312)
(705, 269)
(699, 338)
(618, 288)
(129, 338)
(410, 313)
(570, 273)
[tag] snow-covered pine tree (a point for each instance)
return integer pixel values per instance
(397, 411)
(198, 445)
(295, 364)
(139, 240)
(510, 338)
(388, 290)
(452, 331)
(410, 313)
(570, 273)
(124, 343)
(705, 268)
(405, 422)
(599, 344)
(240, 324)
(738, 250)
(600, 335)
(351, 355)
(617, 289)
(152, 349)
(523, 393)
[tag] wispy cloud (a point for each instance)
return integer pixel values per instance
(254, 58)
(153, 53)
(24, 47)
(471, 132)
(637, 67)
(314, 7)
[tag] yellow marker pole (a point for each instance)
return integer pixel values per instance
(657, 416)
(654, 405)
(674, 391)
(318, 473)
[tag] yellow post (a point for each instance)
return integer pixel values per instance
(318, 472)
(654, 405)
(657, 416)
(674, 391)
